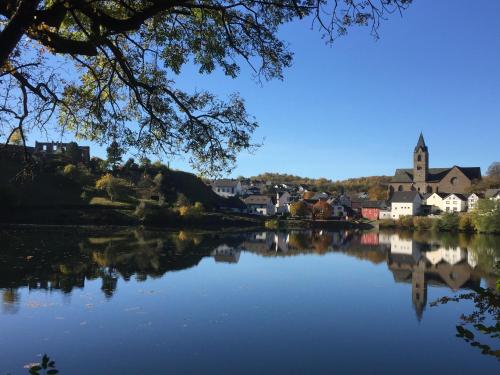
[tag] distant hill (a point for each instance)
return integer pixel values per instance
(355, 185)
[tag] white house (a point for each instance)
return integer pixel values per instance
(472, 201)
(455, 203)
(405, 203)
(436, 201)
(283, 202)
(260, 205)
(226, 188)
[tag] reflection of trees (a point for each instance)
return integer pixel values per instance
(483, 324)
(10, 301)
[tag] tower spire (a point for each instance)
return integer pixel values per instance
(421, 143)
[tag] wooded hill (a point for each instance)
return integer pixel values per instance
(355, 185)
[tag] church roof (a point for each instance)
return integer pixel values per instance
(435, 174)
(421, 143)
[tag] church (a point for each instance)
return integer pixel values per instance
(427, 180)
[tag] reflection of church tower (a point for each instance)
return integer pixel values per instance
(419, 288)
(420, 161)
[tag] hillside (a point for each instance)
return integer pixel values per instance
(355, 185)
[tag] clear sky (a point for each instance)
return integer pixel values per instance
(357, 108)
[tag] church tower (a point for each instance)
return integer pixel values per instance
(420, 161)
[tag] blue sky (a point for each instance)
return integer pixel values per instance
(356, 108)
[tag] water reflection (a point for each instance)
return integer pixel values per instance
(62, 261)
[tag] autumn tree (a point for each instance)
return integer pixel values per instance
(120, 60)
(308, 194)
(322, 210)
(377, 193)
(299, 209)
(16, 138)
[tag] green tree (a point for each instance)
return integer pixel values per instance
(124, 54)
(115, 152)
(486, 216)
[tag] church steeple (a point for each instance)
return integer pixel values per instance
(420, 160)
(421, 143)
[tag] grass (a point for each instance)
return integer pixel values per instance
(101, 201)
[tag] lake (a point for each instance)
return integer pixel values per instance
(299, 302)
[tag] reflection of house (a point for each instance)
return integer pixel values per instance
(451, 267)
(226, 254)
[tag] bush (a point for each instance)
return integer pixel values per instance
(150, 214)
(191, 212)
(272, 224)
(448, 222)
(486, 216)
(423, 223)
(387, 223)
(405, 222)
(115, 188)
(465, 223)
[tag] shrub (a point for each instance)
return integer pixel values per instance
(272, 224)
(449, 222)
(465, 223)
(405, 222)
(423, 223)
(387, 223)
(486, 216)
(116, 188)
(150, 214)
(191, 212)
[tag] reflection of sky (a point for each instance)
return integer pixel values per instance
(304, 314)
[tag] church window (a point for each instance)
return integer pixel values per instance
(419, 168)
(429, 189)
(400, 188)
(454, 180)
(419, 158)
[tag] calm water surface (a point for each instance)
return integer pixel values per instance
(137, 302)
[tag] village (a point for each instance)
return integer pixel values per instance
(418, 191)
